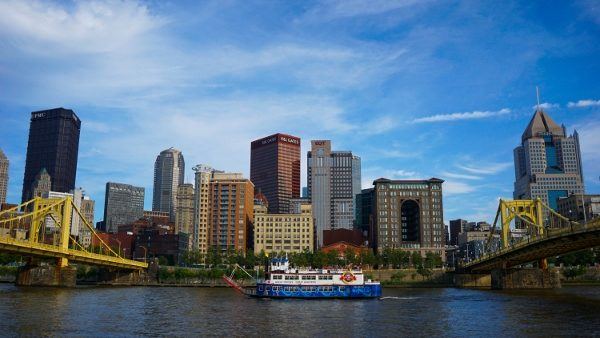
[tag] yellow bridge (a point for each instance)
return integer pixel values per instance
(42, 228)
(545, 234)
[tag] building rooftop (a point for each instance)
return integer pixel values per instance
(541, 123)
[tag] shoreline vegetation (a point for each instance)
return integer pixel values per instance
(393, 268)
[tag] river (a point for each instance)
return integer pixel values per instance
(168, 311)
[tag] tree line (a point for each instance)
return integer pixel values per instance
(388, 259)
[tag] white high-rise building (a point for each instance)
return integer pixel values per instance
(169, 170)
(333, 183)
(548, 162)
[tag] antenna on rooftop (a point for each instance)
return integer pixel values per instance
(537, 93)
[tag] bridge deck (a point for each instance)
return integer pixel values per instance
(555, 243)
(24, 247)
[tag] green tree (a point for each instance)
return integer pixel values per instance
(432, 260)
(416, 259)
(367, 258)
(424, 272)
(350, 257)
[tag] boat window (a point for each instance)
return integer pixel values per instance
(277, 276)
(309, 277)
(291, 277)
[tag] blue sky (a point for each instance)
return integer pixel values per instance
(416, 88)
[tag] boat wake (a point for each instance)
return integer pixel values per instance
(398, 298)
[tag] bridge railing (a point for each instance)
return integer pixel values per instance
(550, 233)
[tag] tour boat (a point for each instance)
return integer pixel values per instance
(282, 281)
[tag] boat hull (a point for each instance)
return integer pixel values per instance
(264, 290)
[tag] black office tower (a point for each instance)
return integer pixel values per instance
(53, 145)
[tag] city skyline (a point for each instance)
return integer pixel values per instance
(417, 113)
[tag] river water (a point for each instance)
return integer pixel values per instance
(167, 311)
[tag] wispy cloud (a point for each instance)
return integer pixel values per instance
(455, 188)
(460, 176)
(584, 104)
(546, 106)
(461, 116)
(491, 168)
(339, 9)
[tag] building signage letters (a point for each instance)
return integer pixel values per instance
(38, 115)
(290, 140)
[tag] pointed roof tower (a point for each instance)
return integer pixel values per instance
(541, 123)
(2, 155)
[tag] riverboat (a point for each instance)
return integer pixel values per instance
(283, 281)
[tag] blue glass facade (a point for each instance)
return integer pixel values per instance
(551, 156)
(554, 195)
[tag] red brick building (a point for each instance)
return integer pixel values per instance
(275, 170)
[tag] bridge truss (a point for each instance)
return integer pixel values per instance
(42, 228)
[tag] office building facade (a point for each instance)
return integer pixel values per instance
(184, 215)
(42, 184)
(408, 215)
(123, 204)
(230, 212)
(579, 208)
(54, 145)
(334, 181)
(275, 169)
(3, 177)
(457, 226)
(548, 162)
(289, 233)
(200, 233)
(169, 169)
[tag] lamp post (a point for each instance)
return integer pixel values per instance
(145, 252)
(118, 241)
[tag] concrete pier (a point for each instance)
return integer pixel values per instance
(48, 275)
(525, 278)
(472, 280)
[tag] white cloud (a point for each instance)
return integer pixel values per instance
(455, 188)
(490, 168)
(88, 27)
(584, 104)
(547, 106)
(461, 116)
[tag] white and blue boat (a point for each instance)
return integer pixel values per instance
(283, 281)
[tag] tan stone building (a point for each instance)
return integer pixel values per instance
(184, 215)
(288, 233)
(199, 235)
(230, 213)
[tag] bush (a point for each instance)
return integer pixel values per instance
(8, 270)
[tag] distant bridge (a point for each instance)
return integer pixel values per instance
(553, 243)
(540, 239)
(42, 228)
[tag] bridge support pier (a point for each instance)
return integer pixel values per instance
(48, 275)
(525, 278)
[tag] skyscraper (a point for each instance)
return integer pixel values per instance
(3, 176)
(333, 182)
(42, 184)
(275, 169)
(54, 145)
(548, 162)
(169, 170)
(184, 216)
(200, 235)
(123, 204)
(230, 212)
